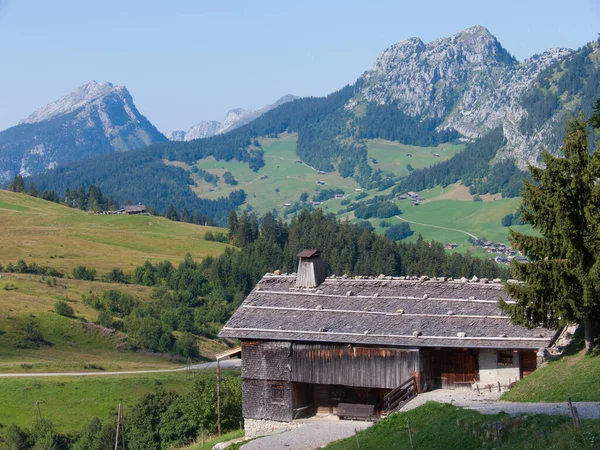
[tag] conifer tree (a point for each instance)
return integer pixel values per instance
(562, 279)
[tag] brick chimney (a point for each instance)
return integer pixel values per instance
(311, 269)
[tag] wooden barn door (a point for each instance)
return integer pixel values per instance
(527, 363)
(452, 368)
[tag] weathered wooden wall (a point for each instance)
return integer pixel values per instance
(266, 360)
(258, 402)
(352, 366)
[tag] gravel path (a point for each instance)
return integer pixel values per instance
(489, 404)
(310, 435)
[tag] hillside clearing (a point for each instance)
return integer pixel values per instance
(61, 237)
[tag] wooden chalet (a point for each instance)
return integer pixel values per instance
(134, 209)
(312, 343)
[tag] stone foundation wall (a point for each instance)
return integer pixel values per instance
(261, 427)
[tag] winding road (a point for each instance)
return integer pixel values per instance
(436, 226)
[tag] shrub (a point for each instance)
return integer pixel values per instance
(477, 198)
(62, 308)
(116, 275)
(83, 273)
(29, 336)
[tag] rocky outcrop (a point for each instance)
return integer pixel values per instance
(468, 81)
(95, 118)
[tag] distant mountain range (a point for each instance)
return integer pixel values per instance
(234, 118)
(465, 87)
(95, 118)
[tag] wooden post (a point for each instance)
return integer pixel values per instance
(118, 427)
(356, 436)
(218, 398)
(572, 412)
(497, 432)
(202, 439)
(409, 434)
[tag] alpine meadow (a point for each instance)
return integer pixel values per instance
(403, 255)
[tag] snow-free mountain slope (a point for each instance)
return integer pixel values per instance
(234, 118)
(95, 118)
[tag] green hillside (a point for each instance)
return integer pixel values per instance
(54, 235)
(441, 426)
(63, 238)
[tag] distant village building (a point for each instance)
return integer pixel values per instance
(320, 182)
(437, 155)
(402, 197)
(312, 343)
(134, 209)
(358, 190)
(409, 155)
(321, 172)
(412, 194)
(451, 245)
(338, 196)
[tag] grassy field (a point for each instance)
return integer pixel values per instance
(391, 156)
(281, 172)
(62, 237)
(71, 402)
(72, 344)
(573, 375)
(441, 426)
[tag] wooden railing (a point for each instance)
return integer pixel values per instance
(400, 396)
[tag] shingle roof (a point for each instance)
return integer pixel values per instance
(382, 311)
(308, 253)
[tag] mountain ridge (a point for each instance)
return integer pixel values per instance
(234, 118)
(459, 88)
(93, 119)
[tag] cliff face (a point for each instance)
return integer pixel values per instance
(93, 119)
(472, 84)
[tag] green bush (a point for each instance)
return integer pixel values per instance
(62, 308)
(83, 273)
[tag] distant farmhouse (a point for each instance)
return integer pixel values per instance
(134, 209)
(363, 346)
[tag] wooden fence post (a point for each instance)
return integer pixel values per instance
(409, 434)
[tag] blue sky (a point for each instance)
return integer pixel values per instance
(186, 60)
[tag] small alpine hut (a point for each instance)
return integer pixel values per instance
(313, 344)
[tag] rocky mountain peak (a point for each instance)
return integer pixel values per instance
(81, 96)
(233, 119)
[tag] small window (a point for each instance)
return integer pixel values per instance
(505, 358)
(277, 393)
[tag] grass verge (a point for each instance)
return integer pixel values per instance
(442, 426)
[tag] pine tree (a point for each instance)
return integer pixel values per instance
(595, 119)
(172, 214)
(17, 185)
(562, 279)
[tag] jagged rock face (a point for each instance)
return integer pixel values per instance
(202, 129)
(93, 119)
(234, 118)
(177, 135)
(468, 80)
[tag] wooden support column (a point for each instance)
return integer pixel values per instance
(218, 398)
